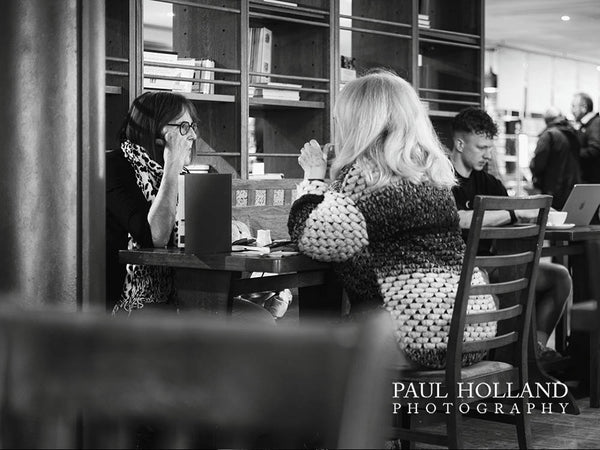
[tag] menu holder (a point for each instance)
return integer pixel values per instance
(207, 213)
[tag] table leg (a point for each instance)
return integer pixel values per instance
(205, 290)
(537, 374)
(322, 301)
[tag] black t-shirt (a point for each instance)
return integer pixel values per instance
(478, 183)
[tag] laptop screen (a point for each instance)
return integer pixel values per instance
(582, 203)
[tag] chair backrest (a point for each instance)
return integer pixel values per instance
(309, 385)
(514, 270)
(264, 204)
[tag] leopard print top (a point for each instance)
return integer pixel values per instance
(145, 284)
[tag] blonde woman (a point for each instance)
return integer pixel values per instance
(388, 220)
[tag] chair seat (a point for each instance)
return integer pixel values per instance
(477, 370)
(583, 315)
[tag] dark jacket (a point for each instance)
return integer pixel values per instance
(589, 137)
(555, 164)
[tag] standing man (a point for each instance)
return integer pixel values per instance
(473, 143)
(555, 164)
(588, 123)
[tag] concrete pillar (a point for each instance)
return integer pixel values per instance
(52, 152)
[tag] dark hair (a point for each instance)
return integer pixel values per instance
(474, 120)
(586, 100)
(147, 116)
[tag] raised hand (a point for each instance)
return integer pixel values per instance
(313, 160)
(177, 151)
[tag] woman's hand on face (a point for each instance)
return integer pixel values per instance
(313, 160)
(177, 148)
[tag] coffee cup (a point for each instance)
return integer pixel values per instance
(263, 237)
(556, 218)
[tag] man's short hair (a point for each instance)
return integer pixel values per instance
(586, 100)
(476, 121)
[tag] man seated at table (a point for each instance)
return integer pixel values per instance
(473, 143)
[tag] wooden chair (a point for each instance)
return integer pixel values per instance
(508, 351)
(206, 383)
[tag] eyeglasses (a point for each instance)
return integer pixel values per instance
(184, 127)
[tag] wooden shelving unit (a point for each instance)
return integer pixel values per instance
(443, 61)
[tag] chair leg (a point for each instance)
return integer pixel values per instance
(454, 427)
(594, 369)
(523, 425)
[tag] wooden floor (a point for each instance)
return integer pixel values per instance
(549, 431)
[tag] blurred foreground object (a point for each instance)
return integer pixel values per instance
(209, 383)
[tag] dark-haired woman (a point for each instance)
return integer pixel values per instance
(141, 201)
(141, 195)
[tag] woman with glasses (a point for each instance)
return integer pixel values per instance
(141, 200)
(141, 195)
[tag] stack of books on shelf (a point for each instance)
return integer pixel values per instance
(424, 8)
(186, 84)
(277, 91)
(205, 88)
(259, 56)
(149, 70)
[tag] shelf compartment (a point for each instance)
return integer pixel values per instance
(375, 26)
(459, 16)
(203, 6)
(298, 50)
(380, 14)
(449, 68)
(369, 50)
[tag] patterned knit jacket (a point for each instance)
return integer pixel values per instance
(397, 247)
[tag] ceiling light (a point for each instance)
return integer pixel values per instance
(565, 18)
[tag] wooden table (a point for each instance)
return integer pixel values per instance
(570, 242)
(567, 247)
(209, 282)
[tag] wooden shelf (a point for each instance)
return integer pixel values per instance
(113, 90)
(449, 37)
(209, 97)
(269, 103)
(284, 10)
(306, 44)
(434, 113)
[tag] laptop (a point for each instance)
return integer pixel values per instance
(582, 203)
